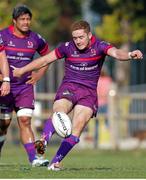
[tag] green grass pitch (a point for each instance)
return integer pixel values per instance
(79, 164)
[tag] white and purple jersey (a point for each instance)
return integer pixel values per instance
(83, 66)
(20, 50)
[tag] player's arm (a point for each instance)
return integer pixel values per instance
(124, 55)
(36, 75)
(4, 68)
(36, 64)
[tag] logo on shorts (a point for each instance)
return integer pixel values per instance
(66, 93)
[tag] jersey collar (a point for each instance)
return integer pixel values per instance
(11, 29)
(92, 41)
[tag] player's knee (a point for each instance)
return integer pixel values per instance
(24, 117)
(24, 121)
(60, 108)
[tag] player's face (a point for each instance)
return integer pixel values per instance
(22, 24)
(81, 38)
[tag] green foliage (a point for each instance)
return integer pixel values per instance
(51, 18)
(125, 23)
(109, 29)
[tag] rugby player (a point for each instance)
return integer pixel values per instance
(21, 44)
(84, 56)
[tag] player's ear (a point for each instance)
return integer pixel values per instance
(14, 21)
(90, 35)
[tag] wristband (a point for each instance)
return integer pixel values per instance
(129, 55)
(6, 79)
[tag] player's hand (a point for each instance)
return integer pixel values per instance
(33, 78)
(136, 54)
(5, 88)
(17, 72)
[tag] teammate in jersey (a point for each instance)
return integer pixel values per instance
(84, 56)
(20, 45)
(4, 70)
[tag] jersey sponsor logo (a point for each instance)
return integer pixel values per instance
(11, 44)
(75, 54)
(84, 64)
(18, 58)
(83, 68)
(20, 54)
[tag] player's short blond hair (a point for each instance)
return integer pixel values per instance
(80, 25)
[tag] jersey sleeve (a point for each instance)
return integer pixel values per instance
(43, 47)
(2, 47)
(61, 50)
(104, 46)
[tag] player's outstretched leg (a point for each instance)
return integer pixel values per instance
(66, 145)
(48, 131)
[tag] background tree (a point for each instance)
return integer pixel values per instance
(123, 24)
(52, 19)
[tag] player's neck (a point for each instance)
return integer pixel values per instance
(19, 33)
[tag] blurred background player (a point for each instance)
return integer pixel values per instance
(104, 84)
(84, 56)
(20, 45)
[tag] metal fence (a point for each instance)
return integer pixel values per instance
(122, 127)
(126, 119)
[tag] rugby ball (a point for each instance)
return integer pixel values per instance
(62, 124)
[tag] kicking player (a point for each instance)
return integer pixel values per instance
(20, 45)
(84, 56)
